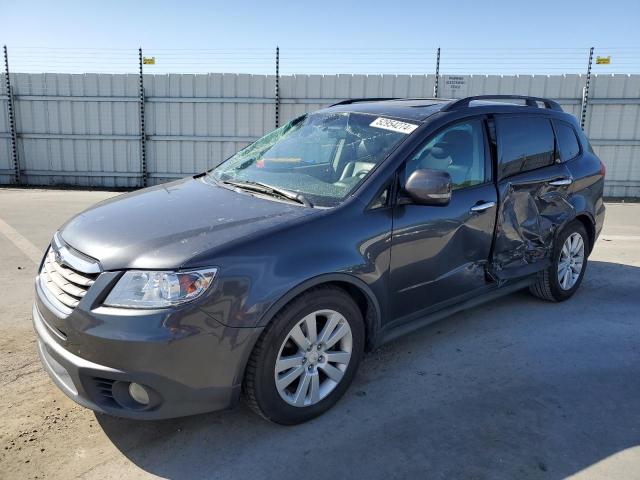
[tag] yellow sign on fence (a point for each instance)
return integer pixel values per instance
(152, 60)
(603, 60)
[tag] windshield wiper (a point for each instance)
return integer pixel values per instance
(270, 190)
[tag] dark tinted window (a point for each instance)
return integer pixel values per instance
(567, 141)
(524, 143)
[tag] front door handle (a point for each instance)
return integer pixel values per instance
(561, 182)
(481, 207)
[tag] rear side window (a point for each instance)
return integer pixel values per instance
(567, 141)
(524, 144)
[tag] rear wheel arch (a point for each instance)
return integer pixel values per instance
(582, 213)
(547, 286)
(359, 291)
(590, 226)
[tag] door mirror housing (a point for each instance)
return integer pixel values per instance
(429, 187)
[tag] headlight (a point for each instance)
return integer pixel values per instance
(153, 289)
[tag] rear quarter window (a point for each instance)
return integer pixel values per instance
(524, 144)
(567, 141)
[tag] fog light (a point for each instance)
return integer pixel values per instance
(139, 393)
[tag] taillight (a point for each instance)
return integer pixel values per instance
(603, 169)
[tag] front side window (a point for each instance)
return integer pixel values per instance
(458, 150)
(322, 156)
(524, 144)
(567, 141)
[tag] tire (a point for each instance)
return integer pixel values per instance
(335, 315)
(548, 285)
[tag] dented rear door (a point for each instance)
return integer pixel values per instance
(533, 187)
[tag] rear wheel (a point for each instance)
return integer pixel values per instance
(563, 277)
(306, 357)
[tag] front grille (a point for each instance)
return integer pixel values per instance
(63, 283)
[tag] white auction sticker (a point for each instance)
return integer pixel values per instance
(393, 125)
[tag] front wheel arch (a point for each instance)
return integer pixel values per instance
(262, 393)
(360, 292)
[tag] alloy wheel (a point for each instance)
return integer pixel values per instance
(313, 358)
(571, 261)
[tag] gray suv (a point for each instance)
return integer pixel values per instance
(273, 273)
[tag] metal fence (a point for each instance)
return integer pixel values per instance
(134, 128)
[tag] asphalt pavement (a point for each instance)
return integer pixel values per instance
(515, 388)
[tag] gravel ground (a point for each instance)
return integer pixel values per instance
(516, 388)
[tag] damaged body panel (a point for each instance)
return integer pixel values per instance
(340, 230)
(529, 215)
(440, 253)
(535, 188)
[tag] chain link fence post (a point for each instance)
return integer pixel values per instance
(435, 87)
(585, 91)
(143, 133)
(12, 120)
(277, 92)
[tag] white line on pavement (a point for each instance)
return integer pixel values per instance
(24, 245)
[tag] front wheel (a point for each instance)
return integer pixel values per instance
(562, 278)
(306, 357)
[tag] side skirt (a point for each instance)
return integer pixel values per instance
(389, 334)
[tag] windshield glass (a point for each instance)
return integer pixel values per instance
(322, 156)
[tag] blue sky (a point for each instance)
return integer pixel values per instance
(302, 28)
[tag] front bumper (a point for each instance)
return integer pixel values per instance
(184, 373)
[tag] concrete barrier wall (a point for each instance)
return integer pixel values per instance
(84, 129)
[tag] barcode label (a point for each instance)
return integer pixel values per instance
(393, 125)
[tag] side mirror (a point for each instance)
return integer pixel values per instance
(429, 187)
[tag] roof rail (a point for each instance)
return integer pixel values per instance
(357, 100)
(529, 101)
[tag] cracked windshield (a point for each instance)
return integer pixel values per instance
(316, 159)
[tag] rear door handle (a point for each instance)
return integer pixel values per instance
(481, 207)
(561, 181)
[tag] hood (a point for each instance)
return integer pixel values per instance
(164, 226)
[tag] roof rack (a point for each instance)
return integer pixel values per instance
(358, 100)
(529, 101)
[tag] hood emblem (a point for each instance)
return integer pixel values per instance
(58, 257)
(76, 261)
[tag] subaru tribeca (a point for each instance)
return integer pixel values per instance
(273, 273)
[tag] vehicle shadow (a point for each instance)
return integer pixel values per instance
(517, 388)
